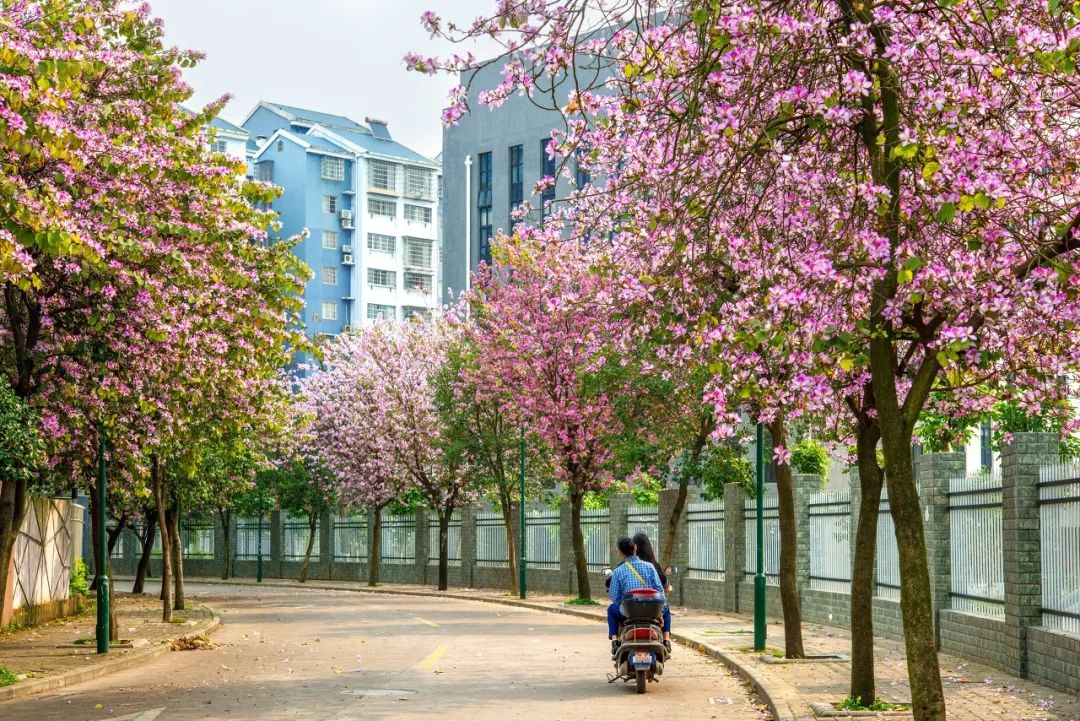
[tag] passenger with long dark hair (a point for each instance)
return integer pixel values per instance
(646, 553)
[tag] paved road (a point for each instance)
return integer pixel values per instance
(337, 656)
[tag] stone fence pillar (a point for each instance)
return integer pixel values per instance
(1020, 463)
(734, 544)
(680, 550)
(421, 547)
(276, 551)
(806, 484)
(568, 578)
(934, 472)
(468, 544)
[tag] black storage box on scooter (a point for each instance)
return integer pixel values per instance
(642, 604)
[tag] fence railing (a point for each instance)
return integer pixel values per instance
(542, 539)
(398, 539)
(976, 544)
(1059, 523)
(770, 514)
(705, 524)
(197, 540)
(453, 539)
(350, 535)
(491, 549)
(247, 539)
(830, 541)
(294, 539)
(645, 519)
(887, 573)
(595, 527)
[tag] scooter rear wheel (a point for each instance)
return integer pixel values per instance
(642, 679)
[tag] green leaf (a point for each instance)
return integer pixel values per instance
(700, 16)
(930, 170)
(946, 212)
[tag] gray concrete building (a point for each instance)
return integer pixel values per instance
(492, 160)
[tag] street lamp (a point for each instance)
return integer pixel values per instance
(102, 630)
(258, 552)
(759, 577)
(521, 522)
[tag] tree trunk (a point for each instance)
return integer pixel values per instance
(789, 552)
(313, 519)
(916, 607)
(166, 577)
(863, 684)
(673, 525)
(581, 562)
(114, 626)
(12, 512)
(95, 537)
(166, 549)
(115, 532)
(147, 543)
(177, 558)
(444, 545)
(507, 508)
(375, 549)
(225, 515)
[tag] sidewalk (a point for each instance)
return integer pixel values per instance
(973, 692)
(49, 658)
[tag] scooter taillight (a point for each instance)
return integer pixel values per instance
(642, 634)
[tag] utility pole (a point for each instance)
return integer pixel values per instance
(759, 577)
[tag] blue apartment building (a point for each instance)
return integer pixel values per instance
(370, 206)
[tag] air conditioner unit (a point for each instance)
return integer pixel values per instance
(346, 249)
(347, 260)
(346, 214)
(346, 328)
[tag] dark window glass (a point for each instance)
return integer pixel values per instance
(483, 206)
(517, 179)
(548, 165)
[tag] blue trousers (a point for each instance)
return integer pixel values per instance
(615, 619)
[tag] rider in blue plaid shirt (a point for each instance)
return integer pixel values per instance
(623, 580)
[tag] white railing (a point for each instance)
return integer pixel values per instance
(644, 519)
(491, 550)
(542, 538)
(453, 539)
(830, 541)
(294, 539)
(887, 574)
(771, 517)
(976, 547)
(1059, 519)
(595, 527)
(705, 524)
(247, 539)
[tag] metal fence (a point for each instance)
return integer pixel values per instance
(830, 541)
(542, 539)
(705, 522)
(644, 519)
(294, 539)
(1059, 513)
(771, 516)
(350, 533)
(595, 527)
(976, 547)
(197, 540)
(887, 571)
(247, 539)
(453, 539)
(491, 549)
(398, 539)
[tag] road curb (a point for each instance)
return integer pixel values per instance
(773, 697)
(32, 687)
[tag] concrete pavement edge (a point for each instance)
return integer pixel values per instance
(32, 687)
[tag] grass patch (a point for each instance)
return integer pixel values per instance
(774, 652)
(178, 619)
(7, 677)
(86, 641)
(852, 704)
(582, 602)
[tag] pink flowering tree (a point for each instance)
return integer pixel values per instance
(915, 163)
(540, 322)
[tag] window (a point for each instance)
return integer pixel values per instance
(381, 243)
(412, 311)
(483, 205)
(329, 275)
(218, 145)
(418, 253)
(548, 169)
(420, 282)
(329, 239)
(417, 214)
(581, 176)
(417, 181)
(382, 278)
(329, 310)
(517, 179)
(382, 176)
(264, 171)
(377, 310)
(333, 168)
(329, 204)
(384, 208)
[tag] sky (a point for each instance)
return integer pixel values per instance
(337, 56)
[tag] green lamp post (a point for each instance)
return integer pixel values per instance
(102, 631)
(521, 522)
(759, 577)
